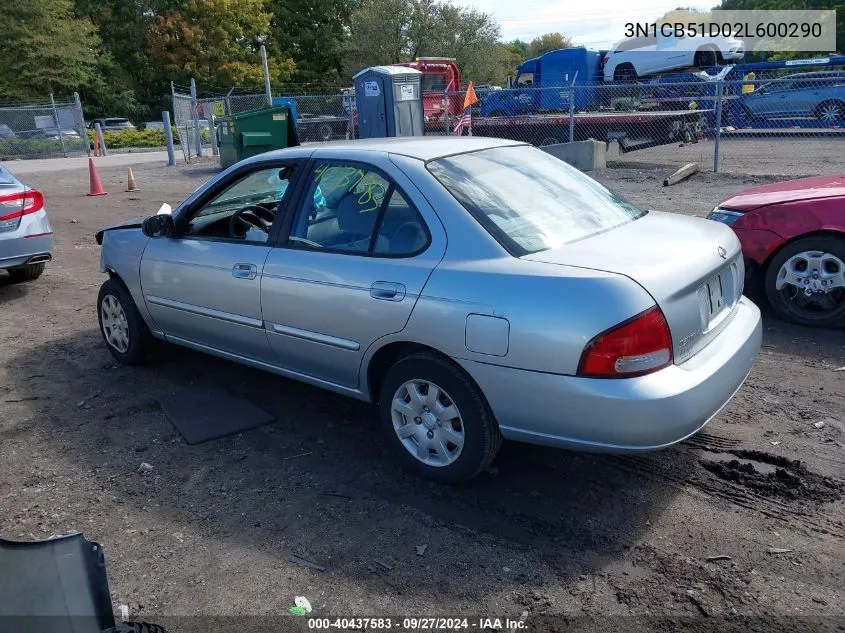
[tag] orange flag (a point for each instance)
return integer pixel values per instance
(470, 98)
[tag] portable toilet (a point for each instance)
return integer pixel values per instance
(389, 102)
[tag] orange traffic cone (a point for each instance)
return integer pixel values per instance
(96, 144)
(131, 185)
(96, 185)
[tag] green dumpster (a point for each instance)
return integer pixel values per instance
(254, 132)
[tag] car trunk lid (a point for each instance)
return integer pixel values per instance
(691, 267)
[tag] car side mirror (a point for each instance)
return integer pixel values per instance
(159, 225)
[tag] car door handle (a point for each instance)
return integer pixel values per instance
(387, 291)
(244, 271)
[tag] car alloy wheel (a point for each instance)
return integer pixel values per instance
(115, 326)
(427, 422)
(805, 281)
(830, 112)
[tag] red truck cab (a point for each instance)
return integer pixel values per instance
(440, 75)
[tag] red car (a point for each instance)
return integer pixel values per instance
(793, 240)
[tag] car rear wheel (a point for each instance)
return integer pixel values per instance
(437, 419)
(624, 73)
(706, 58)
(27, 273)
(831, 112)
(805, 281)
(324, 132)
(124, 331)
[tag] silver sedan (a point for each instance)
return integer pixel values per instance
(26, 238)
(473, 289)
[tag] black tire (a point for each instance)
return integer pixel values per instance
(139, 627)
(141, 342)
(706, 58)
(624, 73)
(324, 132)
(837, 108)
(482, 438)
(787, 301)
(27, 272)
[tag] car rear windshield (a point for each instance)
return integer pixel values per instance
(528, 200)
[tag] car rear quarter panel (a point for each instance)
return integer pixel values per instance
(120, 255)
(552, 312)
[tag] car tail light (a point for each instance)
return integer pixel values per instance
(640, 345)
(16, 205)
(606, 59)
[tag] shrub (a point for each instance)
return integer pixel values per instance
(149, 137)
(18, 147)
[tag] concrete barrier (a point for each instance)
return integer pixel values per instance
(584, 155)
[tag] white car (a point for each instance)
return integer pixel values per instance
(643, 56)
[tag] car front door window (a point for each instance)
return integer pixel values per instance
(243, 211)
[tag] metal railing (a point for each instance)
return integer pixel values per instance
(52, 127)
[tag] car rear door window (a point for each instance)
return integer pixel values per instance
(402, 231)
(350, 208)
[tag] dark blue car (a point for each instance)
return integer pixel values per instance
(820, 95)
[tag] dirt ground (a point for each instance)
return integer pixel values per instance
(741, 526)
(789, 155)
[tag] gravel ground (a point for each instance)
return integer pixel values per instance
(789, 155)
(546, 535)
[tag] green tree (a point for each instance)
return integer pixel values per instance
(44, 48)
(518, 48)
(545, 43)
(313, 35)
(390, 31)
(126, 77)
(216, 42)
(838, 5)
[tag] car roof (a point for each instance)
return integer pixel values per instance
(420, 147)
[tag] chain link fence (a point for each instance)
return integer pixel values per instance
(788, 124)
(320, 117)
(53, 127)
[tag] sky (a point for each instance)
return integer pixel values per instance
(592, 24)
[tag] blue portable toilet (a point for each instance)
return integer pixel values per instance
(389, 102)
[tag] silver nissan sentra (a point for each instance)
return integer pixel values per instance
(473, 289)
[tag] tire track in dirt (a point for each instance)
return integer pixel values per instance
(788, 492)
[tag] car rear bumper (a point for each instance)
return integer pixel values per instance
(32, 239)
(632, 414)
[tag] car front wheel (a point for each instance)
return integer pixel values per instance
(805, 281)
(124, 331)
(437, 419)
(831, 112)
